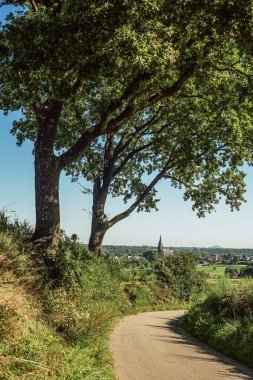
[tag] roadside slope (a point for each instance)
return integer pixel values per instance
(150, 346)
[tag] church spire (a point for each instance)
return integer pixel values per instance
(160, 248)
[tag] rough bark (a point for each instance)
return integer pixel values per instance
(96, 240)
(47, 175)
(98, 224)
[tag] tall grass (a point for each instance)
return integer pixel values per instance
(10, 224)
(224, 319)
(58, 329)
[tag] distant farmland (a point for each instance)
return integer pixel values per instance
(216, 270)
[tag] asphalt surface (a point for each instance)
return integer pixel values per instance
(151, 346)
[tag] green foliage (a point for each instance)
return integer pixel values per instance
(151, 256)
(239, 271)
(70, 262)
(247, 271)
(51, 330)
(221, 270)
(58, 328)
(233, 271)
(187, 68)
(200, 252)
(12, 225)
(224, 319)
(179, 272)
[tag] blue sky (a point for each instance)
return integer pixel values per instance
(175, 221)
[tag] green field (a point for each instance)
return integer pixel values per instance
(215, 270)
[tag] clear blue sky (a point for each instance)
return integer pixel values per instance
(175, 221)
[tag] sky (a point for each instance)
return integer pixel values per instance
(175, 221)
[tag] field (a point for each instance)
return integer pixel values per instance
(216, 270)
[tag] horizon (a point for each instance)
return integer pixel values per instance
(172, 246)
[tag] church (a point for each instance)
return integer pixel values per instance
(163, 252)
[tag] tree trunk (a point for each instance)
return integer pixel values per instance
(47, 175)
(99, 222)
(96, 240)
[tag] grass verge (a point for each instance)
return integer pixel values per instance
(59, 329)
(224, 319)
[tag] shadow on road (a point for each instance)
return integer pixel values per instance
(178, 336)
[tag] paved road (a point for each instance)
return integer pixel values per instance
(151, 346)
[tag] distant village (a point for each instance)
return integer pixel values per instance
(225, 259)
(206, 256)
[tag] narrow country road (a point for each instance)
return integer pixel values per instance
(151, 346)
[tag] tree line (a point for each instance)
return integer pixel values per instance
(128, 93)
(200, 252)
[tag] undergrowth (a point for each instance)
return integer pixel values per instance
(58, 328)
(224, 319)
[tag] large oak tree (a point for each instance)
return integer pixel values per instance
(88, 68)
(191, 142)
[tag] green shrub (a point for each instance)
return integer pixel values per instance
(179, 272)
(12, 225)
(232, 271)
(224, 319)
(247, 271)
(58, 328)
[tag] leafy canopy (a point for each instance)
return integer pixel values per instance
(201, 139)
(105, 62)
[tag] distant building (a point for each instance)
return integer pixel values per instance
(160, 249)
(162, 252)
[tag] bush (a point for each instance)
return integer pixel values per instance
(232, 272)
(247, 271)
(151, 256)
(58, 328)
(179, 272)
(225, 319)
(11, 225)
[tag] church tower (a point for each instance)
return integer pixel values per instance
(160, 249)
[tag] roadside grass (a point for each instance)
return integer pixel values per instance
(224, 319)
(40, 329)
(59, 329)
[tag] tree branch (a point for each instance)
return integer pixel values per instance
(132, 108)
(141, 130)
(141, 197)
(129, 156)
(108, 163)
(101, 127)
(170, 91)
(233, 69)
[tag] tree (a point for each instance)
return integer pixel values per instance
(247, 271)
(179, 272)
(85, 69)
(232, 272)
(189, 142)
(115, 165)
(236, 259)
(151, 256)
